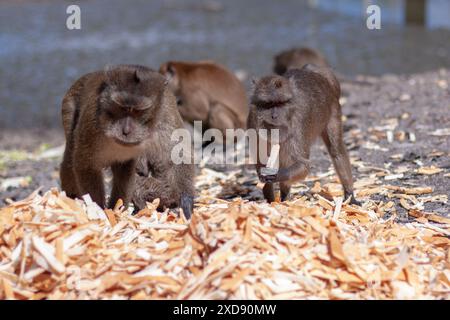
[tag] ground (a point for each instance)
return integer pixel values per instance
(397, 131)
(236, 246)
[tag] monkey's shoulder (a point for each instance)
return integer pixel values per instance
(312, 78)
(252, 114)
(85, 89)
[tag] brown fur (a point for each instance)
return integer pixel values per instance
(207, 92)
(158, 176)
(297, 58)
(303, 104)
(110, 119)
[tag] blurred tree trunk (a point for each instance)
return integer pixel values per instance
(415, 11)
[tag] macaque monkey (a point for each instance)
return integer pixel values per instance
(111, 118)
(207, 92)
(303, 104)
(158, 176)
(297, 58)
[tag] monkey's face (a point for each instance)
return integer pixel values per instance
(129, 105)
(272, 97)
(127, 121)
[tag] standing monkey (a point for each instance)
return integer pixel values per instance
(207, 92)
(303, 104)
(297, 58)
(110, 119)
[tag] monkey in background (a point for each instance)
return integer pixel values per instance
(110, 119)
(297, 58)
(208, 92)
(303, 104)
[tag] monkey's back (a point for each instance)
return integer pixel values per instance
(318, 93)
(227, 88)
(82, 92)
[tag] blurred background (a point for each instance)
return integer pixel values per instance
(40, 57)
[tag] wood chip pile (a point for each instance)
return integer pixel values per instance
(53, 247)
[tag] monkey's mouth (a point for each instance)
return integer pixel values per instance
(127, 143)
(273, 104)
(274, 125)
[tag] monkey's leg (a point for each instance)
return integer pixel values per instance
(123, 182)
(195, 106)
(67, 176)
(333, 139)
(181, 179)
(268, 192)
(90, 180)
(285, 189)
(221, 118)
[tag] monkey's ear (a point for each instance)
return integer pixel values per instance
(141, 75)
(171, 69)
(109, 69)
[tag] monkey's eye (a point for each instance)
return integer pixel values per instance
(136, 113)
(278, 84)
(110, 114)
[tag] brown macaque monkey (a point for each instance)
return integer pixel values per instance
(303, 104)
(158, 176)
(110, 119)
(208, 92)
(297, 58)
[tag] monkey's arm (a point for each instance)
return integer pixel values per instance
(90, 180)
(123, 182)
(195, 106)
(184, 185)
(298, 171)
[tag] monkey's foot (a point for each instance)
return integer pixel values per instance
(268, 178)
(352, 199)
(187, 204)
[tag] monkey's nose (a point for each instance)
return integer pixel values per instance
(126, 129)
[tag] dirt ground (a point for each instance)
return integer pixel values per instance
(398, 126)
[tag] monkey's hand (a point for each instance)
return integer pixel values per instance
(187, 204)
(280, 176)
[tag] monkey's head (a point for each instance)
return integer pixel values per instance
(282, 62)
(170, 71)
(297, 58)
(130, 99)
(272, 98)
(272, 91)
